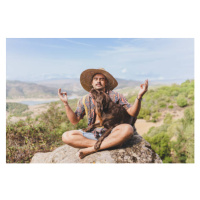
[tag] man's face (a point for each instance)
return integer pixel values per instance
(99, 82)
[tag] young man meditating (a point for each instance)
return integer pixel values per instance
(101, 80)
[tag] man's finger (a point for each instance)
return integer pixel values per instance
(63, 93)
(59, 90)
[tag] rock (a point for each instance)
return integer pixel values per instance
(135, 150)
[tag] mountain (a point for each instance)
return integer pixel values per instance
(74, 84)
(18, 89)
(49, 88)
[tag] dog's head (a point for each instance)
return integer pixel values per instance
(101, 99)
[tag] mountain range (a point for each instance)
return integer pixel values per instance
(49, 88)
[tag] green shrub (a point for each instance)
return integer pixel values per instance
(162, 105)
(160, 143)
(155, 116)
(182, 102)
(144, 112)
(16, 108)
(168, 119)
(147, 117)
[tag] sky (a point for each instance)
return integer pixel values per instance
(156, 59)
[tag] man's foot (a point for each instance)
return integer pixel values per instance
(86, 151)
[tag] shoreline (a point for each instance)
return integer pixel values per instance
(32, 99)
(37, 99)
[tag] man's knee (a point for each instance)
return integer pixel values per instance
(68, 136)
(127, 130)
(65, 137)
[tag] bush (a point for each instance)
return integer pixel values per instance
(155, 116)
(168, 119)
(16, 108)
(160, 143)
(144, 112)
(162, 105)
(182, 102)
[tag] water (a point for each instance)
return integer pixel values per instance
(31, 103)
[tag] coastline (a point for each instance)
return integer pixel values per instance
(32, 99)
(37, 99)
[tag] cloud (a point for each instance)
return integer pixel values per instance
(79, 43)
(124, 70)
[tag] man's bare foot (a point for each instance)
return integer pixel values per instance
(86, 151)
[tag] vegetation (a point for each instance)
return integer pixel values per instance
(42, 134)
(17, 109)
(173, 141)
(172, 97)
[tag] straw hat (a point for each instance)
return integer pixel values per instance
(87, 75)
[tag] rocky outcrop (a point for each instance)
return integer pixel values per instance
(135, 150)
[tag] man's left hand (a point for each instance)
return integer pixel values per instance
(143, 89)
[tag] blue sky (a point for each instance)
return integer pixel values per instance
(127, 58)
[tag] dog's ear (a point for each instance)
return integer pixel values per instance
(106, 100)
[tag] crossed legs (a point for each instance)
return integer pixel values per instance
(119, 135)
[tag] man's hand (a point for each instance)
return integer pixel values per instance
(143, 89)
(63, 98)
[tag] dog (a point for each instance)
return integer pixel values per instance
(110, 114)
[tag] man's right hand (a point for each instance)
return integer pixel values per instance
(63, 98)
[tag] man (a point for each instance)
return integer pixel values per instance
(101, 80)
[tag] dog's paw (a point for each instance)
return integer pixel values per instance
(86, 129)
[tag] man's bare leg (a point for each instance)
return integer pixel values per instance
(76, 139)
(118, 136)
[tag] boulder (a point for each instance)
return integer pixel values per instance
(135, 150)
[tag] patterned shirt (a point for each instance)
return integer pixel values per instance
(89, 102)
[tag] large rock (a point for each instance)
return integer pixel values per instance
(135, 150)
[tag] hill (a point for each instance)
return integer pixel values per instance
(76, 88)
(48, 88)
(18, 89)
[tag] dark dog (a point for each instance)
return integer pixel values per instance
(110, 114)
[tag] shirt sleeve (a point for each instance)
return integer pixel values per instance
(123, 101)
(80, 110)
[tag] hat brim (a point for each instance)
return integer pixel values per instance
(86, 78)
